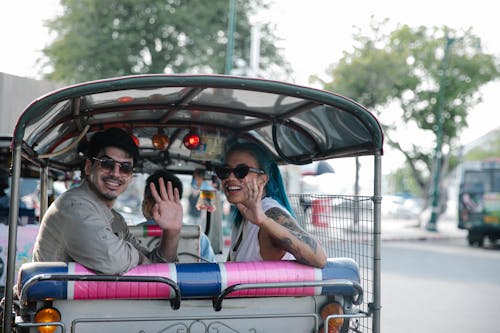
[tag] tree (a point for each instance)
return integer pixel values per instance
(402, 76)
(401, 181)
(99, 39)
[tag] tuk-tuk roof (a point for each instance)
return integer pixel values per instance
(295, 123)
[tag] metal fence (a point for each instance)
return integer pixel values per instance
(345, 227)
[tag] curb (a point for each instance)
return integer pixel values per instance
(421, 234)
(422, 237)
(402, 230)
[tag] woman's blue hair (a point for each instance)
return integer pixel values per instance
(274, 187)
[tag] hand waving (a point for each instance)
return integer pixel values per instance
(167, 210)
(251, 209)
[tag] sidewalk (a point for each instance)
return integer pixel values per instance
(408, 229)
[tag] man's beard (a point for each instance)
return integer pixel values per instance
(106, 196)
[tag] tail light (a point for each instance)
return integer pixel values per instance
(47, 315)
(333, 324)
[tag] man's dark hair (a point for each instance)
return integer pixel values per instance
(112, 137)
(167, 176)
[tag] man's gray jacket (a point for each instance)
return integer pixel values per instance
(79, 227)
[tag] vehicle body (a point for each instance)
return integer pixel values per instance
(296, 124)
(401, 206)
(479, 201)
(27, 214)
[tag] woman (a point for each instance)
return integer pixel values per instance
(265, 228)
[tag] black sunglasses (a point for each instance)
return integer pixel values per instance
(109, 164)
(240, 172)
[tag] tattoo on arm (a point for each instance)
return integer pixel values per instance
(283, 218)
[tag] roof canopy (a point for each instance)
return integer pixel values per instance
(296, 124)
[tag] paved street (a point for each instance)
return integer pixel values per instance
(439, 285)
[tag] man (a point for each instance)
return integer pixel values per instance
(206, 251)
(82, 226)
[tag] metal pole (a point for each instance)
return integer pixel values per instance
(438, 154)
(230, 36)
(377, 231)
(255, 51)
(11, 249)
(44, 195)
(356, 191)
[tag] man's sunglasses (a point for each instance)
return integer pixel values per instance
(109, 164)
(240, 172)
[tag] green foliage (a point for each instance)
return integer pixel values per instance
(98, 39)
(369, 74)
(460, 76)
(401, 181)
(408, 68)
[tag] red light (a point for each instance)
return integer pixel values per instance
(191, 141)
(135, 139)
(125, 99)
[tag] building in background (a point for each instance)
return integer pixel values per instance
(15, 95)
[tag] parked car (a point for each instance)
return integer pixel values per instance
(396, 206)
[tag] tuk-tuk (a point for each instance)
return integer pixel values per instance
(296, 125)
(479, 201)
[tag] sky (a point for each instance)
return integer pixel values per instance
(313, 33)
(316, 35)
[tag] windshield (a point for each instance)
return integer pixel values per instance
(487, 180)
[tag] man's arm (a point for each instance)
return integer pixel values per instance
(90, 240)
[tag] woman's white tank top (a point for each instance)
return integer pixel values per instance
(248, 248)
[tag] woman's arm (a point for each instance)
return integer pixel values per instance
(280, 231)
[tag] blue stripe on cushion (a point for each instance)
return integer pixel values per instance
(199, 280)
(44, 289)
(343, 269)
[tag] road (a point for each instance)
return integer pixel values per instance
(440, 286)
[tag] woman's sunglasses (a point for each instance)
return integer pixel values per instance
(240, 172)
(126, 168)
